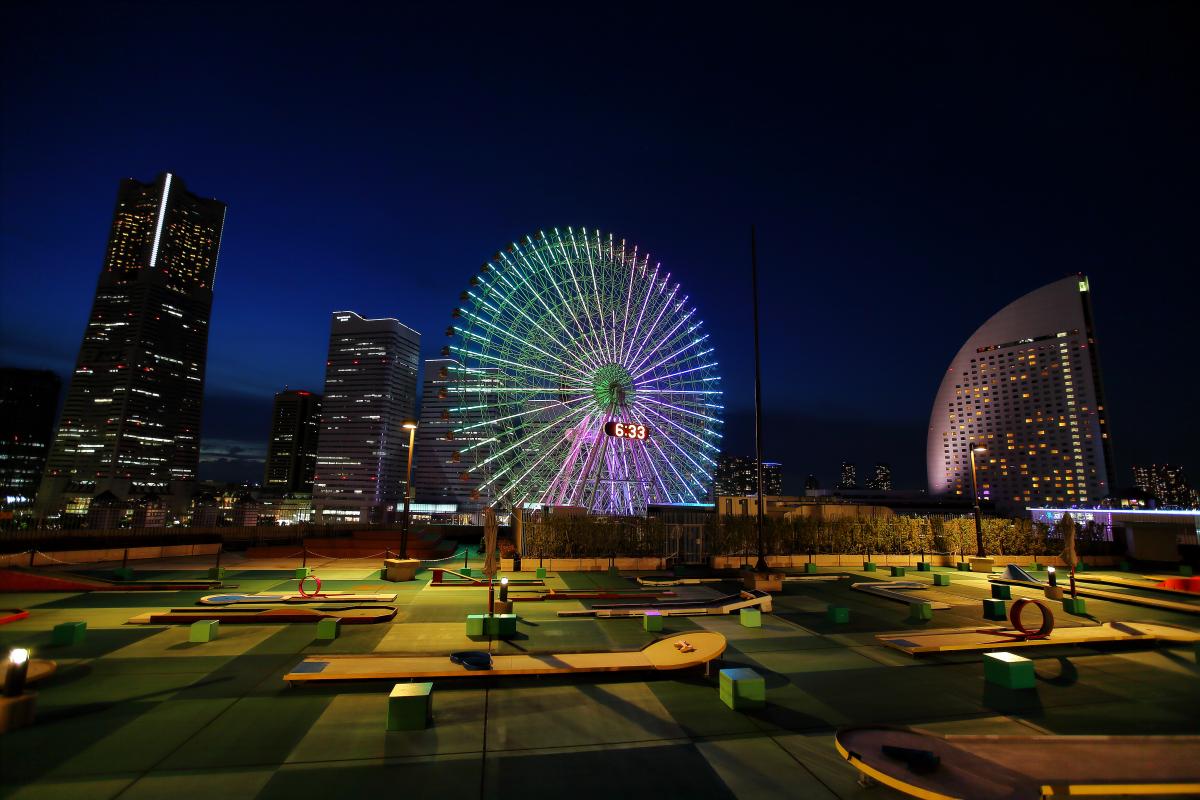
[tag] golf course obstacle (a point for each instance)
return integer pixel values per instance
(328, 629)
(409, 706)
(347, 615)
(204, 630)
(839, 615)
(995, 609)
(68, 633)
(750, 618)
(652, 621)
(676, 652)
(742, 688)
(1008, 670)
(987, 767)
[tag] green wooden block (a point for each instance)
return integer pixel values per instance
(810, 568)
(964, 566)
(303, 572)
(465, 571)
(1075, 605)
(216, 573)
(742, 688)
(995, 609)
(837, 614)
(920, 612)
(1001, 591)
(69, 633)
(941, 579)
(203, 631)
(541, 572)
(475, 624)
(1185, 570)
(652, 621)
(868, 566)
(409, 707)
(1080, 567)
(502, 625)
(614, 571)
(924, 566)
(1008, 670)
(750, 618)
(1036, 567)
(1123, 566)
(328, 629)
(898, 572)
(123, 573)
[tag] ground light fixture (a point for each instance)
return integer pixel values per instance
(504, 590)
(1052, 575)
(15, 672)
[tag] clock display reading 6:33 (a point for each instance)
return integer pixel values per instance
(627, 430)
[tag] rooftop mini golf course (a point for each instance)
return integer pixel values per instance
(139, 711)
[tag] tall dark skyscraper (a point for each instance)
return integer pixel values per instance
(1166, 483)
(882, 479)
(736, 476)
(292, 451)
(370, 390)
(849, 477)
(28, 401)
(131, 421)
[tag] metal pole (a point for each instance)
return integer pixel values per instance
(761, 564)
(978, 513)
(407, 496)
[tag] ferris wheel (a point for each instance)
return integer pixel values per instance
(581, 377)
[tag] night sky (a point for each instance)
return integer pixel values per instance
(911, 168)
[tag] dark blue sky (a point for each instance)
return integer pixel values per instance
(911, 168)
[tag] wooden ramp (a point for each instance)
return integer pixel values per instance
(747, 598)
(186, 616)
(1113, 597)
(1017, 767)
(991, 638)
(1144, 584)
(656, 656)
(664, 580)
(898, 590)
(439, 579)
(295, 597)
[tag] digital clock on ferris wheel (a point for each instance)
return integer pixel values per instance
(627, 430)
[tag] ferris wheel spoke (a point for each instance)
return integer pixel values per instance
(685, 431)
(681, 409)
(656, 378)
(654, 325)
(682, 481)
(645, 301)
(546, 429)
(673, 355)
(505, 300)
(505, 333)
(590, 328)
(538, 296)
(628, 296)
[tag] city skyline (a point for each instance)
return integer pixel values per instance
(909, 236)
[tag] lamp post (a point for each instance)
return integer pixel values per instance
(15, 672)
(977, 447)
(760, 565)
(409, 425)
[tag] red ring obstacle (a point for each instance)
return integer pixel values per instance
(316, 592)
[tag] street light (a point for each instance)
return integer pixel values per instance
(409, 425)
(977, 447)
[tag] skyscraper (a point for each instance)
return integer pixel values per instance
(736, 476)
(849, 477)
(1026, 385)
(292, 451)
(28, 401)
(370, 390)
(882, 479)
(1166, 483)
(131, 421)
(440, 461)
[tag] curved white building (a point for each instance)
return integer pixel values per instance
(1027, 385)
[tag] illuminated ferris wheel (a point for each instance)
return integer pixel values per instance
(581, 377)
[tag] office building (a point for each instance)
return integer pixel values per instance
(1166, 483)
(849, 477)
(131, 421)
(370, 390)
(1026, 386)
(882, 479)
(28, 402)
(442, 459)
(737, 476)
(292, 451)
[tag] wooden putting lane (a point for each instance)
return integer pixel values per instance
(663, 654)
(941, 641)
(1016, 767)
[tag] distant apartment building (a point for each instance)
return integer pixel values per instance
(738, 476)
(1026, 386)
(881, 480)
(849, 477)
(292, 451)
(1166, 483)
(28, 402)
(370, 390)
(442, 458)
(130, 425)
